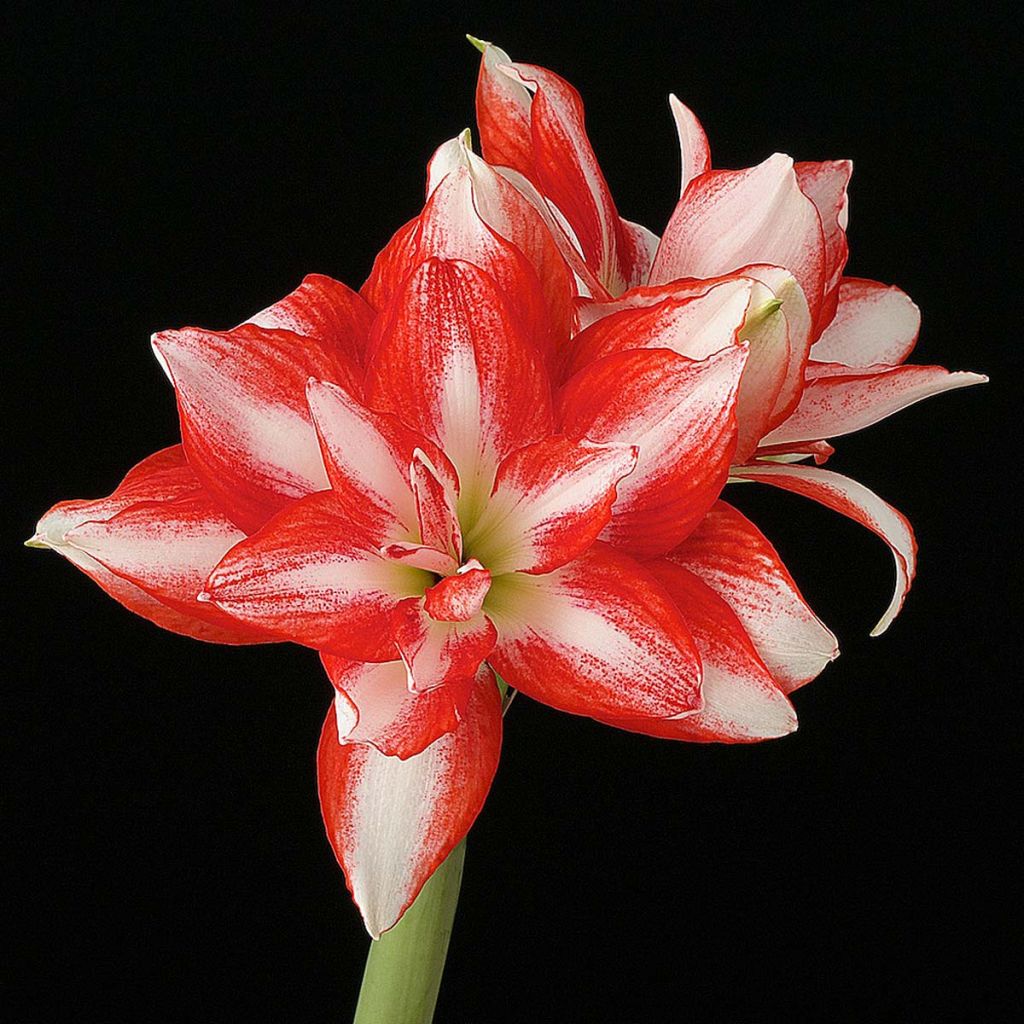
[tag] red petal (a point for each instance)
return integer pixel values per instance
(312, 575)
(728, 219)
(375, 705)
(151, 545)
(597, 637)
(392, 265)
(455, 364)
(459, 597)
(854, 500)
(839, 400)
(325, 311)
(245, 425)
(737, 561)
(436, 505)
(742, 703)
(392, 822)
(503, 113)
(681, 415)
(873, 323)
(550, 501)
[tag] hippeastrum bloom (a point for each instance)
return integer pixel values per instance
(754, 255)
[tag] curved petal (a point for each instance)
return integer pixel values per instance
(742, 702)
(681, 415)
(597, 637)
(150, 546)
(456, 364)
(825, 184)
(550, 501)
(873, 323)
(728, 219)
(391, 822)
(503, 113)
(245, 425)
(325, 311)
(392, 266)
(374, 705)
(694, 151)
(731, 555)
(313, 576)
(855, 501)
(838, 400)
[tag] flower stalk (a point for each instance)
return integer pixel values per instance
(405, 965)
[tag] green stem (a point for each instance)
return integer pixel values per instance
(404, 966)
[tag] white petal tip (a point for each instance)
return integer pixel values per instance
(204, 597)
(37, 540)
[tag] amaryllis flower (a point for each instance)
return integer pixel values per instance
(754, 255)
(404, 487)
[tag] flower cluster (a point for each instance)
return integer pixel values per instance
(499, 464)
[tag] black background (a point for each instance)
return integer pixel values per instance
(188, 164)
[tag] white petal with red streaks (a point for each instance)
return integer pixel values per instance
(550, 501)
(839, 400)
(597, 637)
(161, 494)
(736, 560)
(311, 575)
(373, 704)
(245, 425)
(503, 113)
(742, 702)
(874, 323)
(728, 219)
(855, 501)
(436, 506)
(391, 822)
(681, 415)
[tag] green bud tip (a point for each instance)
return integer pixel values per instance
(480, 44)
(35, 542)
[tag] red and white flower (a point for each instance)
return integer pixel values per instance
(504, 458)
(754, 255)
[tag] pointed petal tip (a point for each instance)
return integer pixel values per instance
(204, 597)
(479, 44)
(37, 540)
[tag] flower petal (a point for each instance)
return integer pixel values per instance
(731, 555)
(391, 822)
(825, 184)
(326, 311)
(456, 364)
(681, 415)
(694, 152)
(503, 113)
(313, 576)
(436, 506)
(742, 702)
(855, 501)
(438, 653)
(150, 546)
(728, 219)
(245, 425)
(838, 399)
(597, 637)
(873, 323)
(550, 501)
(374, 705)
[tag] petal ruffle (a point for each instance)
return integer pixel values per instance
(742, 702)
(313, 576)
(391, 822)
(150, 545)
(597, 637)
(680, 413)
(374, 705)
(731, 555)
(855, 501)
